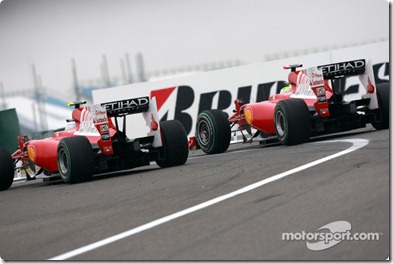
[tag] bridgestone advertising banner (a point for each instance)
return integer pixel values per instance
(183, 98)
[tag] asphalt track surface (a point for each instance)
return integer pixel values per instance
(230, 206)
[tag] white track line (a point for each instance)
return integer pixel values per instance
(357, 144)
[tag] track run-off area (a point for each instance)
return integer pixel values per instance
(232, 206)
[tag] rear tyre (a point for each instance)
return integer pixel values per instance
(383, 93)
(292, 121)
(213, 131)
(75, 159)
(174, 149)
(6, 170)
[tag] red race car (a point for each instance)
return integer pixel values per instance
(311, 104)
(91, 143)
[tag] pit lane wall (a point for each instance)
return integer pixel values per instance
(184, 97)
(10, 129)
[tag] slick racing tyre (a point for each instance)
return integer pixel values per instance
(292, 121)
(383, 93)
(6, 170)
(174, 150)
(75, 159)
(213, 131)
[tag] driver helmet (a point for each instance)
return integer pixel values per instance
(286, 89)
(70, 126)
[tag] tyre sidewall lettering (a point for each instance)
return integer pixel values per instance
(68, 157)
(281, 109)
(210, 123)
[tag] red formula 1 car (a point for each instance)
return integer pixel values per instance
(312, 104)
(91, 143)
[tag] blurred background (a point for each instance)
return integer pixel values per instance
(55, 51)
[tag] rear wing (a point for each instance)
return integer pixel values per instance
(346, 68)
(121, 108)
(127, 106)
(354, 68)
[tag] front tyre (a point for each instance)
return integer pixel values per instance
(292, 121)
(213, 131)
(383, 93)
(75, 159)
(174, 149)
(6, 170)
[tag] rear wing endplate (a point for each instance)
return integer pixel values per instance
(346, 68)
(127, 106)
